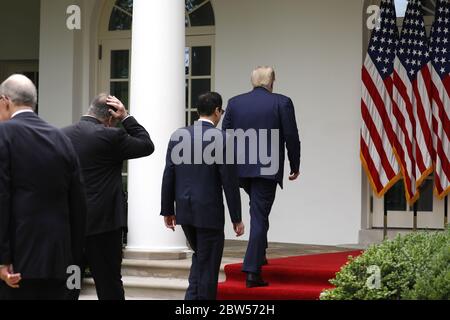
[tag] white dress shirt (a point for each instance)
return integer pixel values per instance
(21, 111)
(207, 120)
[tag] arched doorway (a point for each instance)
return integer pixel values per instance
(114, 41)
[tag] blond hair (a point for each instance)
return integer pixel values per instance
(263, 77)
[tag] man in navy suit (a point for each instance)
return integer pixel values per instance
(194, 179)
(262, 110)
(42, 199)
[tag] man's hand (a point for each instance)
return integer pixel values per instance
(294, 176)
(118, 110)
(171, 222)
(11, 279)
(239, 228)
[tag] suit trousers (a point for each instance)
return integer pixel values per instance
(262, 194)
(207, 245)
(37, 290)
(104, 258)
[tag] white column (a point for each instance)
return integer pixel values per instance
(157, 101)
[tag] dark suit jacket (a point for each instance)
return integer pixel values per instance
(197, 189)
(42, 200)
(261, 109)
(102, 152)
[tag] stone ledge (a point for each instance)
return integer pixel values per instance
(156, 255)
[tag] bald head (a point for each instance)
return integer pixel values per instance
(20, 91)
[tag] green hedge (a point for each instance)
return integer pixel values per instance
(415, 266)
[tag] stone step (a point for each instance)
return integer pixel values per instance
(172, 269)
(144, 288)
(154, 279)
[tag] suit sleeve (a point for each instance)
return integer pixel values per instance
(290, 133)
(134, 142)
(230, 183)
(5, 200)
(168, 186)
(228, 119)
(78, 212)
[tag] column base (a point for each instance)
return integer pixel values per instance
(153, 254)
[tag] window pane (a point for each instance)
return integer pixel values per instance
(187, 94)
(199, 86)
(395, 197)
(119, 20)
(425, 202)
(194, 117)
(120, 64)
(187, 60)
(203, 16)
(192, 4)
(201, 61)
(120, 90)
(126, 5)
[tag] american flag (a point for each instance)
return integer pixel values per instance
(411, 102)
(377, 134)
(440, 70)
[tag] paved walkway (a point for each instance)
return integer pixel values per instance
(236, 249)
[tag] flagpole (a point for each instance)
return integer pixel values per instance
(446, 212)
(415, 216)
(385, 219)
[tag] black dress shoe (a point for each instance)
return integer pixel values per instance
(255, 280)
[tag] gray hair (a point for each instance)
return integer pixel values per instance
(20, 90)
(263, 77)
(98, 108)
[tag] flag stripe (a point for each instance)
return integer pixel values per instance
(378, 143)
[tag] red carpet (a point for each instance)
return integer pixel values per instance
(294, 278)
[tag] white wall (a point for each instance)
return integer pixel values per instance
(19, 29)
(66, 57)
(316, 48)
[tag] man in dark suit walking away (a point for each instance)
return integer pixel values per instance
(42, 200)
(262, 110)
(102, 148)
(195, 179)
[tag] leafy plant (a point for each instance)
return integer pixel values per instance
(407, 266)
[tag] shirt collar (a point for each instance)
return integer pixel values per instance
(206, 120)
(21, 111)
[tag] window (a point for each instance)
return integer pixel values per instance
(199, 70)
(121, 16)
(199, 13)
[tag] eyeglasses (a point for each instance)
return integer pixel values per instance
(222, 112)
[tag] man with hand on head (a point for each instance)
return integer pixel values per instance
(42, 200)
(102, 149)
(196, 187)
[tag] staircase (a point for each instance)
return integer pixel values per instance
(153, 279)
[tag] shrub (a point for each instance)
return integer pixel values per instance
(407, 264)
(434, 284)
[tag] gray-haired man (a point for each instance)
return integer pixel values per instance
(102, 148)
(42, 201)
